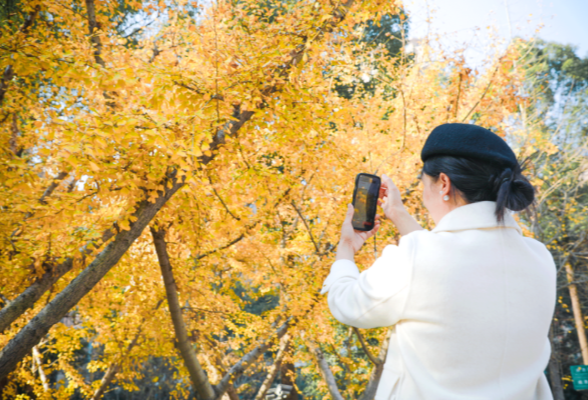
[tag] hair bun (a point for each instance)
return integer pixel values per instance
(513, 190)
(504, 178)
(522, 194)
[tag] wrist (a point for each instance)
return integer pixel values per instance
(345, 251)
(397, 212)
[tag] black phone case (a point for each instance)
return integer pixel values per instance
(372, 208)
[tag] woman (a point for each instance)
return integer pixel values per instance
(471, 301)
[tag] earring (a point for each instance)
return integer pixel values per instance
(441, 192)
(446, 198)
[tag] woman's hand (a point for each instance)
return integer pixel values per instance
(390, 199)
(391, 202)
(352, 240)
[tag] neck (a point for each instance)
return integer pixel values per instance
(448, 206)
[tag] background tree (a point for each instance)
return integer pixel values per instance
(552, 133)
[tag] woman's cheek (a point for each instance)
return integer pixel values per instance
(426, 198)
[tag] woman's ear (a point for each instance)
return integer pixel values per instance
(444, 184)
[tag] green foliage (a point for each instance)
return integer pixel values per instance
(382, 39)
(557, 88)
(9, 11)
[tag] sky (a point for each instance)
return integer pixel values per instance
(474, 24)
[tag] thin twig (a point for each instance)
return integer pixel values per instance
(221, 200)
(232, 242)
(484, 93)
(318, 252)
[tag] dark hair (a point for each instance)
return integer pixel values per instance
(483, 181)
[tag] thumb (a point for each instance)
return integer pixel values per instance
(349, 214)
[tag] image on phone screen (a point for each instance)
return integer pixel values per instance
(366, 198)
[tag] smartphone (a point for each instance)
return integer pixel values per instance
(365, 201)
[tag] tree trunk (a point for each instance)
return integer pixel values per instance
(8, 73)
(372, 386)
(53, 312)
(29, 297)
(288, 377)
(576, 308)
(198, 376)
(327, 374)
(554, 370)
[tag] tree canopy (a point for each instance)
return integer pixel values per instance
(174, 176)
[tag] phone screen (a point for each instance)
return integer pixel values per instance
(365, 202)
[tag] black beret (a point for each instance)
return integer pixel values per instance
(466, 140)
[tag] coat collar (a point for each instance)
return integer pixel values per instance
(478, 215)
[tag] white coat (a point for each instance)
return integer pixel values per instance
(470, 301)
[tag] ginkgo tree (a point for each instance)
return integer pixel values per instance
(156, 187)
(101, 133)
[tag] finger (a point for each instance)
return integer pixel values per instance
(371, 233)
(385, 185)
(382, 192)
(387, 181)
(384, 201)
(349, 214)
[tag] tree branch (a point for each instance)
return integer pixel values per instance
(8, 73)
(233, 395)
(240, 237)
(93, 27)
(483, 93)
(372, 386)
(33, 293)
(238, 368)
(13, 141)
(316, 248)
(458, 94)
(5, 81)
(22, 343)
(61, 176)
(373, 359)
(109, 375)
(239, 116)
(274, 369)
(221, 200)
(230, 128)
(114, 367)
(226, 246)
(37, 359)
